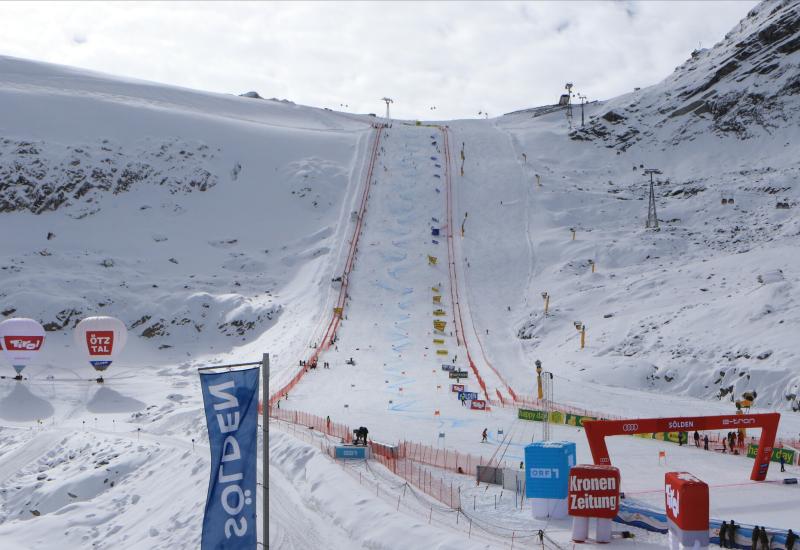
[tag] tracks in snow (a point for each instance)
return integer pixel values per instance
(341, 300)
(490, 379)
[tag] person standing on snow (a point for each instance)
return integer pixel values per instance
(732, 534)
(754, 538)
(764, 539)
(484, 435)
(783, 462)
(705, 442)
(790, 539)
(723, 534)
(697, 439)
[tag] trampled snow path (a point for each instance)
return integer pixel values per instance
(498, 386)
(388, 328)
(327, 507)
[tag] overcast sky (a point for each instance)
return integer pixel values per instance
(461, 57)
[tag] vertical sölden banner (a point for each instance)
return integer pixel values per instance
(231, 406)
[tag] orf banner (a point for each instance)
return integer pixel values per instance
(231, 406)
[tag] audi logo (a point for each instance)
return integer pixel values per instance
(630, 427)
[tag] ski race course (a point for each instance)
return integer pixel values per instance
(378, 262)
(414, 402)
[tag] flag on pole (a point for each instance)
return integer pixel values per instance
(231, 406)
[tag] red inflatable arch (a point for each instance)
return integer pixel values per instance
(598, 430)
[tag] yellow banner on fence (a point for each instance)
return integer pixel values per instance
(437, 299)
(441, 352)
(439, 312)
(432, 260)
(439, 325)
(439, 341)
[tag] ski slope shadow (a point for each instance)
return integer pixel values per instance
(21, 405)
(106, 400)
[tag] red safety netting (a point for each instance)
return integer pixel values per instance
(446, 459)
(323, 425)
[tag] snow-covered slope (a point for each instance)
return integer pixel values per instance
(201, 221)
(747, 86)
(193, 217)
(213, 225)
(705, 307)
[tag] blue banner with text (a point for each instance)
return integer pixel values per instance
(231, 406)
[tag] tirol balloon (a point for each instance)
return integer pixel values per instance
(21, 340)
(102, 338)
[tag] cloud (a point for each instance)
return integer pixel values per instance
(460, 57)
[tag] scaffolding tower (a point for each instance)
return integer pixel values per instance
(547, 403)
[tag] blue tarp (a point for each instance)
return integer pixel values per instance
(650, 520)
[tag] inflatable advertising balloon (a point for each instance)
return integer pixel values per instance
(21, 340)
(102, 338)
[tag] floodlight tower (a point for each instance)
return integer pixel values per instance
(568, 87)
(544, 382)
(388, 100)
(652, 218)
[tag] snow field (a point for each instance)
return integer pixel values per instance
(233, 215)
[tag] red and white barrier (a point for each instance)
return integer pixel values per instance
(686, 501)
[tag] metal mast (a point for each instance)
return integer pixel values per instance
(388, 100)
(544, 381)
(568, 88)
(652, 217)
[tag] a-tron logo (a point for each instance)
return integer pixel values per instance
(680, 424)
(628, 428)
(738, 421)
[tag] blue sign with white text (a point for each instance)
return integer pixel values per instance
(547, 465)
(468, 395)
(350, 451)
(231, 406)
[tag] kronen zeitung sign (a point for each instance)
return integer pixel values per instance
(593, 491)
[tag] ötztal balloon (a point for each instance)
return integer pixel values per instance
(101, 338)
